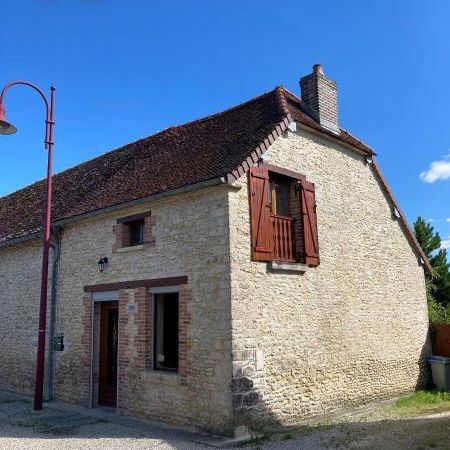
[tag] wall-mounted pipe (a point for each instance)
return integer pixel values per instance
(56, 247)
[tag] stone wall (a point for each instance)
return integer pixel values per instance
(20, 279)
(288, 345)
(189, 238)
(351, 330)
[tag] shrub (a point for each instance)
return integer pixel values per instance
(438, 313)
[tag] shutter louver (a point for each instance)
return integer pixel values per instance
(308, 199)
(261, 230)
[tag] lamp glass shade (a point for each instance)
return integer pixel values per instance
(6, 127)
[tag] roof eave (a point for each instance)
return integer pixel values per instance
(402, 218)
(256, 154)
(218, 181)
(335, 139)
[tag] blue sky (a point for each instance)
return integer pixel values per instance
(124, 69)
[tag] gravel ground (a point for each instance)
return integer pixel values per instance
(67, 428)
(417, 434)
(90, 438)
(378, 428)
(74, 428)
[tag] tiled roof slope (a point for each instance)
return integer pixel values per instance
(178, 156)
(221, 145)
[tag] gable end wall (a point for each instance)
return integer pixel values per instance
(351, 330)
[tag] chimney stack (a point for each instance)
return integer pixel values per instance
(319, 95)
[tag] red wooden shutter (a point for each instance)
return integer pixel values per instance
(308, 199)
(261, 229)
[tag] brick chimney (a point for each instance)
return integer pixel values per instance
(319, 95)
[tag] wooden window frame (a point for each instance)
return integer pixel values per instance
(285, 232)
(285, 172)
(134, 217)
(123, 231)
(136, 223)
(155, 300)
(286, 182)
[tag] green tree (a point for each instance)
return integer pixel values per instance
(438, 286)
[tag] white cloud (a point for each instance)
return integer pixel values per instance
(431, 220)
(439, 170)
(445, 244)
(447, 219)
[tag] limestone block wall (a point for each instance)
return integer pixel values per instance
(351, 330)
(261, 347)
(20, 281)
(190, 235)
(189, 239)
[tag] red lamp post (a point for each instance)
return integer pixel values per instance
(8, 128)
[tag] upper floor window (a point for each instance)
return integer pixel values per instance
(132, 231)
(283, 216)
(279, 196)
(136, 232)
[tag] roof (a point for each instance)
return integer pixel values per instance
(220, 145)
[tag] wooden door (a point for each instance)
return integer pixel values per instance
(107, 383)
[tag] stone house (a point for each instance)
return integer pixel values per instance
(248, 269)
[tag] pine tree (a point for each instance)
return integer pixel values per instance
(430, 241)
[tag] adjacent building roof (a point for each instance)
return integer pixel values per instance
(220, 145)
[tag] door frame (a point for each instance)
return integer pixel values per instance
(107, 395)
(99, 297)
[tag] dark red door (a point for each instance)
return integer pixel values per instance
(107, 383)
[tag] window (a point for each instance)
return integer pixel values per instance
(136, 232)
(165, 337)
(279, 196)
(283, 216)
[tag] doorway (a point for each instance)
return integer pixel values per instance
(107, 368)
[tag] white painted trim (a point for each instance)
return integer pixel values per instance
(105, 296)
(164, 289)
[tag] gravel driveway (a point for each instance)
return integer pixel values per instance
(66, 428)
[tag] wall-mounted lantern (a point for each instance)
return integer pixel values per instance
(102, 263)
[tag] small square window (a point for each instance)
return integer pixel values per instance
(165, 337)
(136, 229)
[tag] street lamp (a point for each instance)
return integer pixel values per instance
(7, 128)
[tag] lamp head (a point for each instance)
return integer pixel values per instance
(5, 126)
(102, 263)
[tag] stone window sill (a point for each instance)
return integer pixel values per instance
(163, 377)
(132, 248)
(276, 266)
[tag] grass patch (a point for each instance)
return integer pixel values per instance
(287, 436)
(257, 441)
(423, 402)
